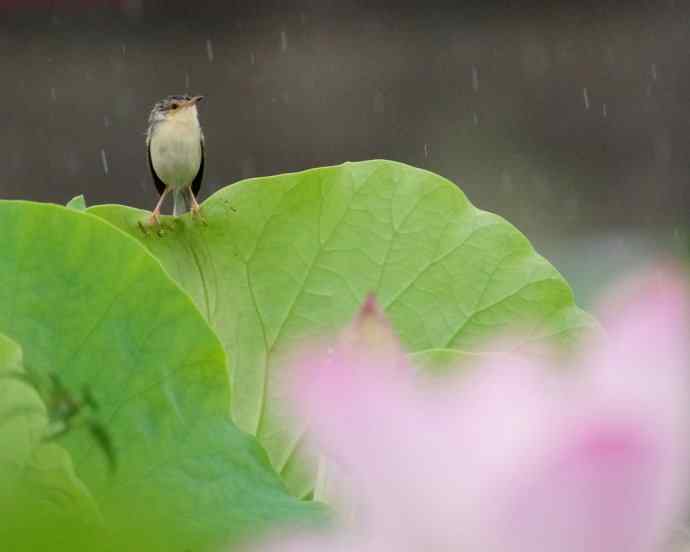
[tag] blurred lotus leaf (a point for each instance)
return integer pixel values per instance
(90, 305)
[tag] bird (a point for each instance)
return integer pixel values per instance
(175, 150)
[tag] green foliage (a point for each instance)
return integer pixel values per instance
(293, 255)
(439, 362)
(78, 203)
(88, 303)
(158, 352)
(39, 490)
(22, 416)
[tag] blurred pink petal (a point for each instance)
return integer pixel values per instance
(307, 543)
(519, 455)
(358, 394)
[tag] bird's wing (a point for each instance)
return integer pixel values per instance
(196, 183)
(160, 186)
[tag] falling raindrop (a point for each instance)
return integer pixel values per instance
(604, 111)
(610, 56)
(252, 58)
(663, 148)
(571, 207)
(209, 50)
(302, 18)
(106, 122)
(426, 151)
(475, 78)
(506, 181)
(186, 81)
(53, 95)
(72, 163)
(585, 97)
(248, 168)
(283, 41)
(123, 49)
(104, 161)
(475, 118)
(653, 71)
(379, 106)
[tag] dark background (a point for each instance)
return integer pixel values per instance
(571, 119)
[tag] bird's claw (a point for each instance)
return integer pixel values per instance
(196, 213)
(154, 221)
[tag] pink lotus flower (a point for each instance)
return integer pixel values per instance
(520, 454)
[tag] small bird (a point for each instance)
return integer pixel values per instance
(175, 145)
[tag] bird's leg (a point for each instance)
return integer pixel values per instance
(155, 215)
(196, 208)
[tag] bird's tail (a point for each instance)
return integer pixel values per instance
(181, 201)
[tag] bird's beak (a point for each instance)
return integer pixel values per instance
(195, 100)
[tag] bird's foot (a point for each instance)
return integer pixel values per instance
(153, 222)
(196, 213)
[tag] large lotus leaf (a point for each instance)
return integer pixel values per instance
(23, 418)
(40, 495)
(287, 256)
(53, 509)
(90, 304)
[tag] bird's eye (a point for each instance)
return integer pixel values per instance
(174, 106)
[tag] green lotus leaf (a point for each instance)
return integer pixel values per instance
(90, 305)
(78, 203)
(289, 256)
(23, 418)
(442, 362)
(40, 495)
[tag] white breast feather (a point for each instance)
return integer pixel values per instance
(176, 148)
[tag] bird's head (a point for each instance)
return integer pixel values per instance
(174, 107)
